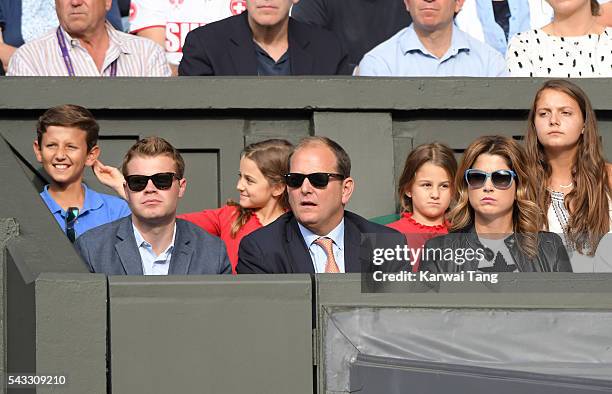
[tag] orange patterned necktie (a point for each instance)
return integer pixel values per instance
(326, 244)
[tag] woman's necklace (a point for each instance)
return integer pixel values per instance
(566, 186)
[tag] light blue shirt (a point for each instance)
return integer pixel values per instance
(98, 209)
(317, 253)
(493, 33)
(153, 264)
(403, 55)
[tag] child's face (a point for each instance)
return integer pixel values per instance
(63, 154)
(431, 194)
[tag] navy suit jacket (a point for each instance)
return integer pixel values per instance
(111, 249)
(226, 47)
(280, 248)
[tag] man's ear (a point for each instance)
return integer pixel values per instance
(348, 185)
(406, 3)
(37, 151)
(108, 5)
(92, 156)
(458, 5)
(182, 187)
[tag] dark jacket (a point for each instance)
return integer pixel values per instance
(280, 248)
(552, 256)
(111, 249)
(226, 47)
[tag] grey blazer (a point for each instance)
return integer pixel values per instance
(111, 249)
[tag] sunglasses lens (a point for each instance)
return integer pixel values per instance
(137, 183)
(475, 179)
(163, 181)
(501, 179)
(295, 180)
(318, 179)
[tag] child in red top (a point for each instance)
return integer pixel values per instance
(263, 196)
(425, 193)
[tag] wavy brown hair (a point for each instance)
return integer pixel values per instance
(588, 202)
(272, 159)
(435, 153)
(527, 217)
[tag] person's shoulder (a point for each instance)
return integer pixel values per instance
(274, 230)
(390, 44)
(366, 226)
(99, 232)
(131, 40)
(221, 27)
(49, 39)
(194, 232)
(549, 237)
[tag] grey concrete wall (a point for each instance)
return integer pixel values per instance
(211, 334)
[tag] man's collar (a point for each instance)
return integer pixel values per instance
(140, 239)
(409, 41)
(91, 200)
(115, 39)
(336, 235)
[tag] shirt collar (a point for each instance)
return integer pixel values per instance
(116, 40)
(336, 235)
(92, 201)
(141, 242)
(409, 42)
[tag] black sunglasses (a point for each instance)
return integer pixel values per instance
(71, 216)
(316, 179)
(161, 180)
(501, 179)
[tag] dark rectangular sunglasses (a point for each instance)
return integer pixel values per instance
(316, 179)
(501, 179)
(161, 180)
(71, 216)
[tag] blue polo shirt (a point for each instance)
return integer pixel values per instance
(97, 209)
(403, 55)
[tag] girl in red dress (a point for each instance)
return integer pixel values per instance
(425, 193)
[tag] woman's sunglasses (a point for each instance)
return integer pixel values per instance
(316, 179)
(161, 180)
(501, 179)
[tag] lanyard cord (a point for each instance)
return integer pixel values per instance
(66, 56)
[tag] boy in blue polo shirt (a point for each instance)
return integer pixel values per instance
(66, 143)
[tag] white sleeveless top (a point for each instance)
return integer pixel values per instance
(558, 218)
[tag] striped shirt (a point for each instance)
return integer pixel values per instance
(135, 56)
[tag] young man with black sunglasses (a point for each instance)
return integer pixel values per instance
(67, 143)
(318, 235)
(152, 241)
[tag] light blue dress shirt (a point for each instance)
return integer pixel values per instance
(493, 33)
(153, 264)
(403, 55)
(98, 209)
(317, 253)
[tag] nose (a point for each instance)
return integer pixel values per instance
(488, 186)
(554, 118)
(150, 188)
(240, 185)
(435, 193)
(306, 187)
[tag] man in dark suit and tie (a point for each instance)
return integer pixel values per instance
(152, 241)
(318, 235)
(264, 40)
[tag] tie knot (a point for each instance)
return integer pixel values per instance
(326, 243)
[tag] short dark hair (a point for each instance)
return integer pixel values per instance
(69, 115)
(343, 161)
(152, 147)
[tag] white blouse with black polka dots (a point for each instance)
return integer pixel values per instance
(535, 53)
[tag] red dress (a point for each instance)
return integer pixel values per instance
(219, 222)
(416, 233)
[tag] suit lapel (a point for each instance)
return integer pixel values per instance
(127, 250)
(301, 60)
(299, 256)
(242, 49)
(181, 254)
(353, 247)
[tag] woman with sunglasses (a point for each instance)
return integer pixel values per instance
(572, 178)
(263, 197)
(495, 223)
